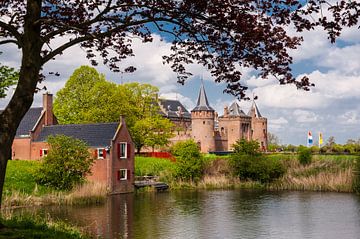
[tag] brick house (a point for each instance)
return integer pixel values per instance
(110, 143)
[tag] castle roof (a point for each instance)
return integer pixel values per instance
(235, 110)
(95, 135)
(254, 109)
(173, 109)
(202, 102)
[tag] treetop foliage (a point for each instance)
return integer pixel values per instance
(220, 35)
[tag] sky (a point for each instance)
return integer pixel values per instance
(331, 107)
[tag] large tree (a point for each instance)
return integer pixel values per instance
(219, 34)
(88, 98)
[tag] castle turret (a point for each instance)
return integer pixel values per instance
(203, 123)
(258, 126)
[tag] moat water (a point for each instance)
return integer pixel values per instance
(218, 214)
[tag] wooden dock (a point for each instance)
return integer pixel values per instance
(147, 181)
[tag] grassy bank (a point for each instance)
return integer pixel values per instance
(31, 227)
(21, 189)
(325, 173)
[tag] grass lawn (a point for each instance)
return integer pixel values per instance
(20, 177)
(29, 228)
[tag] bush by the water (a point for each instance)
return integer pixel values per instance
(248, 163)
(189, 161)
(304, 155)
(66, 164)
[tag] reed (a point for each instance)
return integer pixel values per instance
(323, 174)
(88, 193)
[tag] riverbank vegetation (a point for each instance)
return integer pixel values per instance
(324, 173)
(21, 188)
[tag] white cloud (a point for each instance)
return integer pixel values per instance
(350, 117)
(345, 60)
(276, 125)
(304, 116)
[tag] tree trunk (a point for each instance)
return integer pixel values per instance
(22, 99)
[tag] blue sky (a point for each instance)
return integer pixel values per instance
(331, 107)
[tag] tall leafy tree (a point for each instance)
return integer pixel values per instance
(220, 35)
(88, 98)
(74, 100)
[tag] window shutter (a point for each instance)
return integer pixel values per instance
(41, 153)
(95, 153)
(118, 150)
(128, 148)
(104, 153)
(128, 174)
(118, 175)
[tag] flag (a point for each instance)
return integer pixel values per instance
(320, 139)
(310, 138)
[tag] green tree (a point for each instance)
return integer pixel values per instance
(8, 77)
(189, 161)
(248, 163)
(88, 98)
(67, 163)
(152, 131)
(74, 102)
(243, 146)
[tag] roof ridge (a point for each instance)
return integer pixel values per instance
(104, 123)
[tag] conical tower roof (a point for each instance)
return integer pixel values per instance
(254, 111)
(235, 110)
(202, 102)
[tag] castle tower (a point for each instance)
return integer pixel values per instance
(234, 125)
(203, 122)
(258, 126)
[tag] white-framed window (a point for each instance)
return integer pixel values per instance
(123, 150)
(43, 152)
(101, 153)
(122, 174)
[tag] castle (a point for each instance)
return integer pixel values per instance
(215, 133)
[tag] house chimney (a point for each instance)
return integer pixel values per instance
(48, 108)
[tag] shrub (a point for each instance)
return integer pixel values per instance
(248, 163)
(304, 155)
(189, 161)
(66, 164)
(243, 146)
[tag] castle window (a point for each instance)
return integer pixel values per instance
(203, 122)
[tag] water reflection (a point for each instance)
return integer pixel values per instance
(219, 214)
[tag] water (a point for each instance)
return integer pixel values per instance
(219, 214)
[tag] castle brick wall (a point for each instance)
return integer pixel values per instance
(235, 128)
(259, 131)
